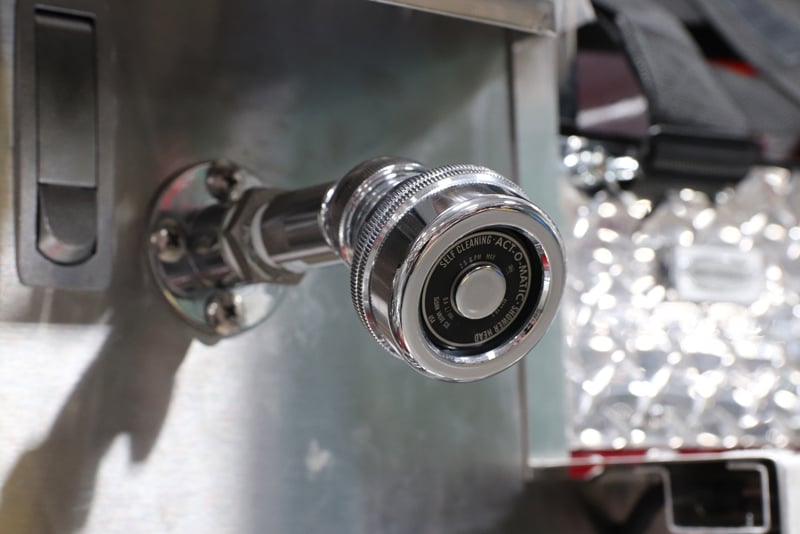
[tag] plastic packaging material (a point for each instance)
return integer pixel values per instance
(682, 319)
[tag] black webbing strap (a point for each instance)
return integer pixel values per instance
(697, 130)
(765, 33)
(678, 82)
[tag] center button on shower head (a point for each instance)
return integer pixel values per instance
(480, 291)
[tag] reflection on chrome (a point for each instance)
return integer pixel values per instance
(681, 319)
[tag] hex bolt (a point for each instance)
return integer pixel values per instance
(223, 312)
(168, 242)
(224, 181)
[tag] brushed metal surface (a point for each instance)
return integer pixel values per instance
(543, 17)
(535, 103)
(112, 419)
(537, 16)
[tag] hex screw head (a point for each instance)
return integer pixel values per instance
(224, 181)
(223, 311)
(168, 242)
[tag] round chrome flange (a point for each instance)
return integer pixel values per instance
(187, 256)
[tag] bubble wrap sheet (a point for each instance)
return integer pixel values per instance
(682, 320)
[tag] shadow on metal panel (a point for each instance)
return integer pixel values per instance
(298, 92)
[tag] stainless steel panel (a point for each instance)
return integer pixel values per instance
(534, 16)
(535, 104)
(525, 15)
(114, 419)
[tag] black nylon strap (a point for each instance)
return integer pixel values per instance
(774, 117)
(767, 34)
(680, 87)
